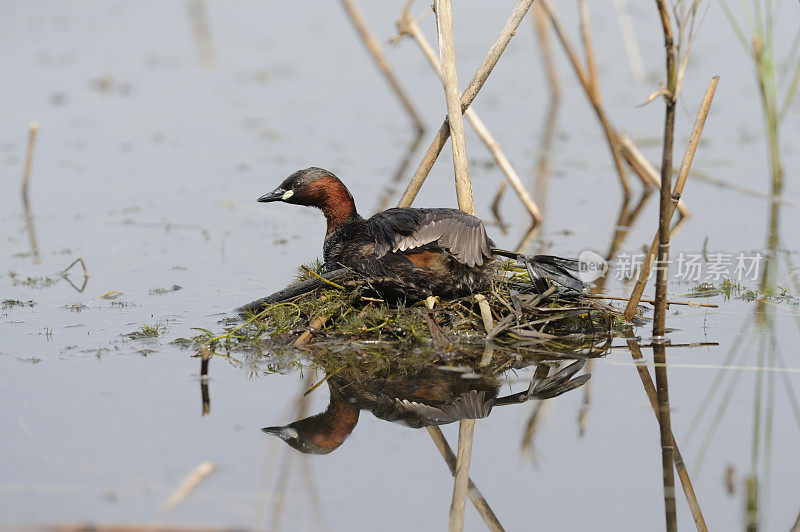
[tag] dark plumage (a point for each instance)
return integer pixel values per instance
(414, 399)
(407, 253)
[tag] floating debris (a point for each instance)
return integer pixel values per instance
(12, 303)
(147, 331)
(111, 295)
(162, 291)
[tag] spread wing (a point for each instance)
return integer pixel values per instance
(469, 405)
(463, 235)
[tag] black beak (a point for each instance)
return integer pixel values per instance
(275, 195)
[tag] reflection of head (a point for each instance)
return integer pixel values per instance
(322, 433)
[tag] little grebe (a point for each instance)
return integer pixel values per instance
(409, 253)
(413, 398)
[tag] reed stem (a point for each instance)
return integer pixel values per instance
(589, 86)
(205, 357)
(473, 492)
(447, 56)
(680, 182)
(680, 465)
(466, 429)
(316, 323)
(195, 478)
(641, 165)
(662, 270)
(375, 50)
(540, 25)
(665, 213)
(407, 25)
(33, 130)
(469, 94)
(766, 87)
(586, 37)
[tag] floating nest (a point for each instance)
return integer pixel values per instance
(340, 310)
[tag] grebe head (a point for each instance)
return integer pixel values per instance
(312, 186)
(318, 188)
(322, 433)
(304, 439)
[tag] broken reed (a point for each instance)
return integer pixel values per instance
(33, 130)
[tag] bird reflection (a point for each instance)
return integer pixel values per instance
(432, 395)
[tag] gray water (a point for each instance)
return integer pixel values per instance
(154, 142)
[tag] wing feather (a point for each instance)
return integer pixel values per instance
(463, 235)
(469, 405)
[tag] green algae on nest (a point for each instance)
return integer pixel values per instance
(350, 314)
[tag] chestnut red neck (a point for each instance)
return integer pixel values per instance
(334, 200)
(331, 428)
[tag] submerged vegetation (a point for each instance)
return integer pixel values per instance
(31, 281)
(147, 331)
(12, 303)
(733, 290)
(162, 291)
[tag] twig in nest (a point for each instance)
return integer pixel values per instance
(651, 301)
(316, 323)
(321, 278)
(486, 312)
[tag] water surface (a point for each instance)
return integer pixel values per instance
(154, 141)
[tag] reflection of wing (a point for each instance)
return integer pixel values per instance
(463, 235)
(561, 382)
(469, 405)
